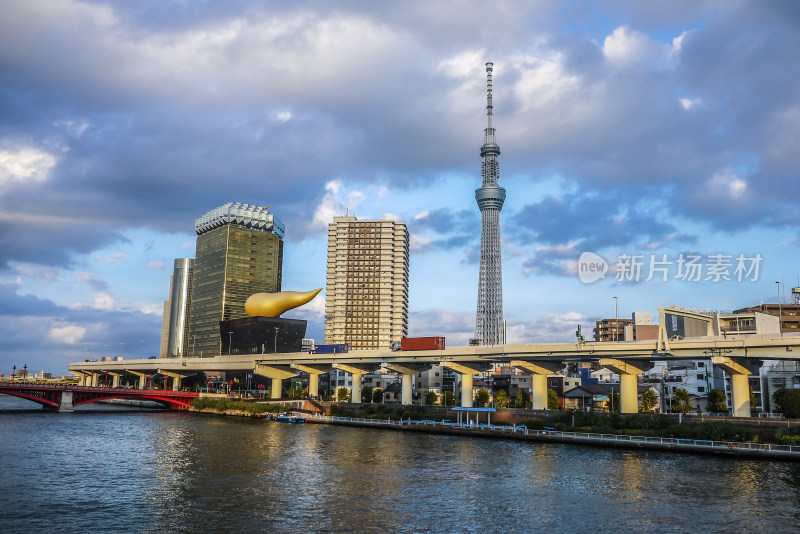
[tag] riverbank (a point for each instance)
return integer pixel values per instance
(236, 407)
(707, 447)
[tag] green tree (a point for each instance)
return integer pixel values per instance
(366, 394)
(681, 402)
(649, 400)
(343, 395)
(481, 398)
(501, 399)
(552, 400)
(448, 399)
(787, 401)
(430, 398)
(614, 401)
(753, 401)
(377, 395)
(523, 399)
(717, 403)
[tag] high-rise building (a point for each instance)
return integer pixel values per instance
(177, 311)
(239, 253)
(366, 304)
(489, 327)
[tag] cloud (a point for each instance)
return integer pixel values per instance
(24, 164)
(68, 335)
(115, 257)
(157, 265)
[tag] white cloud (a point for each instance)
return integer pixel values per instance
(26, 164)
(626, 47)
(41, 273)
(283, 116)
(688, 103)
(390, 217)
(421, 215)
(116, 257)
(417, 243)
(103, 301)
(157, 265)
(332, 205)
(728, 184)
(70, 334)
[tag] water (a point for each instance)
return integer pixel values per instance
(123, 471)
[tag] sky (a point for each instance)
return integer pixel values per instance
(649, 151)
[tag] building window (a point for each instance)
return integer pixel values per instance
(554, 383)
(701, 389)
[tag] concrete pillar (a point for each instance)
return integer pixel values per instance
(628, 393)
(466, 371)
(114, 379)
(466, 390)
(313, 385)
(313, 375)
(276, 389)
(277, 373)
(142, 378)
(66, 402)
(94, 379)
(358, 371)
(628, 371)
(538, 372)
(355, 394)
(407, 382)
(177, 379)
(740, 386)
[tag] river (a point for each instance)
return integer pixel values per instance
(128, 471)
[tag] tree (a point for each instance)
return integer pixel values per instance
(343, 395)
(366, 394)
(787, 401)
(649, 400)
(448, 399)
(552, 400)
(717, 403)
(377, 395)
(753, 401)
(430, 398)
(481, 398)
(681, 402)
(501, 399)
(614, 401)
(523, 399)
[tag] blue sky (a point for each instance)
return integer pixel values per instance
(626, 128)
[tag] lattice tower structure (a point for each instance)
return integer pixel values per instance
(489, 328)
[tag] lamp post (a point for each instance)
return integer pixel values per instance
(14, 372)
(780, 310)
(616, 319)
(230, 340)
(276, 339)
(194, 342)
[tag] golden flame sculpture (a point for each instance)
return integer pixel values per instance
(274, 304)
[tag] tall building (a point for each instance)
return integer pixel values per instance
(239, 252)
(177, 311)
(366, 303)
(489, 328)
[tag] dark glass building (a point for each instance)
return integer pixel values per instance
(239, 253)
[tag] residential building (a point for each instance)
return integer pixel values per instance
(177, 311)
(612, 329)
(789, 314)
(366, 304)
(239, 253)
(780, 374)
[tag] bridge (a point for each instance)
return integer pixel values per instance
(65, 397)
(739, 356)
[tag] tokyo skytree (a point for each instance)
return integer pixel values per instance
(490, 197)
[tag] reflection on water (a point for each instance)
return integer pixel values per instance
(172, 472)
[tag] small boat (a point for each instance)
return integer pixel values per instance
(283, 418)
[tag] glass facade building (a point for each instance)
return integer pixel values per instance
(239, 253)
(180, 297)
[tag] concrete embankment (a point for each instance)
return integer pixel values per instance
(718, 448)
(232, 413)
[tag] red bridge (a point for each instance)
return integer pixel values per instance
(65, 396)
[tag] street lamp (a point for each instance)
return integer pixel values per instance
(230, 340)
(276, 339)
(780, 311)
(194, 342)
(616, 319)
(14, 371)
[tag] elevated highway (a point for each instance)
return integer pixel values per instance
(739, 356)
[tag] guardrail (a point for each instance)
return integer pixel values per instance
(589, 436)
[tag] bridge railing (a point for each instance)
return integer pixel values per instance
(677, 442)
